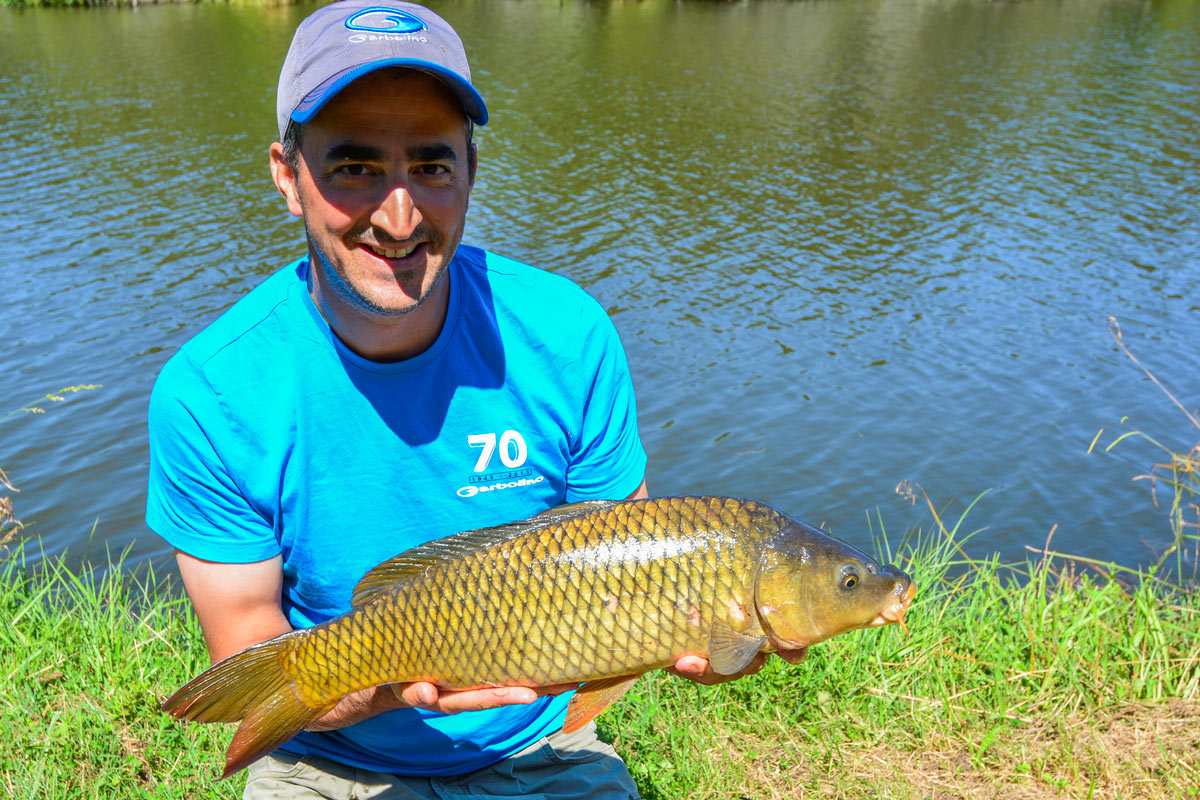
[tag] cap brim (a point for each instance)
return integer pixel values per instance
(315, 100)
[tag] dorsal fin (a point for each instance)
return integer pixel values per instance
(572, 510)
(384, 577)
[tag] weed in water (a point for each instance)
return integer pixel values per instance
(9, 524)
(1178, 474)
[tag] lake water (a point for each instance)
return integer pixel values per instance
(846, 242)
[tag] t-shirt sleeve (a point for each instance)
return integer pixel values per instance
(193, 499)
(607, 459)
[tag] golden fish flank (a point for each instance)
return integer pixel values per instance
(598, 592)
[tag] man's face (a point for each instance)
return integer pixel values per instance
(382, 180)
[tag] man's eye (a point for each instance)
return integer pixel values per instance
(434, 169)
(354, 170)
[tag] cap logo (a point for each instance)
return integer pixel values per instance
(384, 20)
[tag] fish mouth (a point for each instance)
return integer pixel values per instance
(897, 608)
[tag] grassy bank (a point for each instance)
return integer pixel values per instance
(1027, 681)
(86, 656)
(1031, 681)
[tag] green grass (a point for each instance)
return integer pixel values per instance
(1038, 679)
(86, 655)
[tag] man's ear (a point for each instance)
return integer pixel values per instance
(472, 162)
(285, 179)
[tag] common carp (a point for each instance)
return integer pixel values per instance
(596, 591)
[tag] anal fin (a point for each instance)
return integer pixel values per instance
(593, 697)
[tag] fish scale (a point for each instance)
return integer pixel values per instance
(472, 608)
(595, 592)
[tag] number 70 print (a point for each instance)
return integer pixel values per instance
(512, 449)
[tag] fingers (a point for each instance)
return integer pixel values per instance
(366, 703)
(698, 669)
(415, 695)
(693, 668)
(426, 695)
(479, 699)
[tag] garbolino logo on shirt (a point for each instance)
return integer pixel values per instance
(471, 491)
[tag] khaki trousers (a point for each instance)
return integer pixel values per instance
(558, 767)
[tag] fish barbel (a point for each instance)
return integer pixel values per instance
(597, 591)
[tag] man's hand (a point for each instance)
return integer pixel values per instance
(697, 669)
(367, 703)
(426, 695)
(364, 704)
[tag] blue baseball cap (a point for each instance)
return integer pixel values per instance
(345, 40)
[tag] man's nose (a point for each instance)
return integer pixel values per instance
(397, 214)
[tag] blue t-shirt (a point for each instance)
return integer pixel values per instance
(269, 437)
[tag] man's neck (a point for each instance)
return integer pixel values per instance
(384, 338)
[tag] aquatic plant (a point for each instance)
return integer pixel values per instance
(9, 524)
(1173, 480)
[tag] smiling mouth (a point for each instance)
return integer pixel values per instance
(387, 252)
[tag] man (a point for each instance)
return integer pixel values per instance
(390, 388)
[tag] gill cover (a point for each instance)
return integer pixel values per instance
(812, 586)
(781, 594)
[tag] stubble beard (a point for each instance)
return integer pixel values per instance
(337, 282)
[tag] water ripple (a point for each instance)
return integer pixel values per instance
(845, 243)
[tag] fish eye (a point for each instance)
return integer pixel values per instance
(849, 578)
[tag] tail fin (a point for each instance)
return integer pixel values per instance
(250, 686)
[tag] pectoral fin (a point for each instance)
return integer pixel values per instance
(593, 697)
(730, 651)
